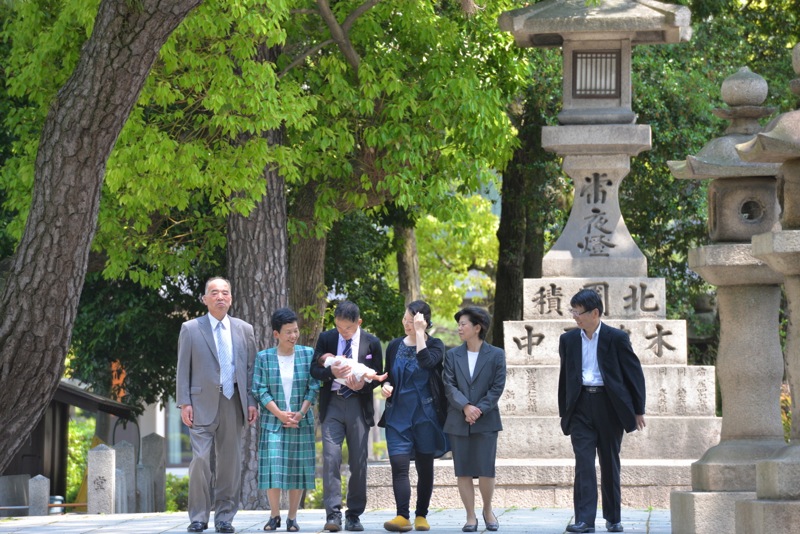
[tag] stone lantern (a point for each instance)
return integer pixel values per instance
(742, 202)
(777, 506)
(596, 136)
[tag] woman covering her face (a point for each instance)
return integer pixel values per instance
(414, 414)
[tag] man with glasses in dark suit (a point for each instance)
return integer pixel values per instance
(601, 395)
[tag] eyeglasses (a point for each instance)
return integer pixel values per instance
(576, 313)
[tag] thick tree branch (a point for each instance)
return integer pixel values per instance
(360, 10)
(339, 36)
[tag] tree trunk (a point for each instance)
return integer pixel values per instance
(534, 239)
(407, 263)
(258, 270)
(511, 245)
(307, 290)
(41, 294)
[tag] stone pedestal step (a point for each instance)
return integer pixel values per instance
(542, 483)
(707, 512)
(766, 517)
(532, 437)
(623, 297)
(674, 390)
(655, 341)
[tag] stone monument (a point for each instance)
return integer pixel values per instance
(596, 136)
(777, 506)
(742, 202)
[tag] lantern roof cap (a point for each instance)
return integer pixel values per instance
(550, 23)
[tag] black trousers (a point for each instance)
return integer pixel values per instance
(401, 482)
(595, 430)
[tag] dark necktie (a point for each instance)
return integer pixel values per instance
(345, 391)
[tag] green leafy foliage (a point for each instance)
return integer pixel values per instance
(80, 433)
(457, 258)
(356, 268)
(137, 327)
(403, 127)
(177, 493)
(675, 89)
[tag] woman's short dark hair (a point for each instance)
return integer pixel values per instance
(347, 310)
(588, 299)
(282, 316)
(420, 306)
(477, 316)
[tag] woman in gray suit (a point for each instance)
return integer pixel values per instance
(474, 378)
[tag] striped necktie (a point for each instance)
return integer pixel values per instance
(345, 391)
(225, 362)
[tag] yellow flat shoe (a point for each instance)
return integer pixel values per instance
(398, 524)
(420, 523)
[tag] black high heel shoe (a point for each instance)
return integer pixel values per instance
(274, 523)
(470, 527)
(491, 525)
(291, 525)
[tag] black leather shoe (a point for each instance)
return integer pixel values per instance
(580, 527)
(274, 523)
(197, 526)
(225, 526)
(491, 525)
(353, 524)
(613, 527)
(333, 523)
(470, 527)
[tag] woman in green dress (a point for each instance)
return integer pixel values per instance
(285, 392)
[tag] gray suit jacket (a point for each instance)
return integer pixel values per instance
(198, 367)
(482, 390)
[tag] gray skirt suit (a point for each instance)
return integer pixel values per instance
(474, 446)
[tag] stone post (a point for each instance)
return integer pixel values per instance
(144, 490)
(120, 492)
(742, 202)
(100, 480)
(126, 461)
(38, 495)
(777, 507)
(154, 456)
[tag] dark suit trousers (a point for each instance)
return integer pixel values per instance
(344, 420)
(595, 429)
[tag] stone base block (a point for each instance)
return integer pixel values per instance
(593, 139)
(731, 264)
(762, 517)
(535, 437)
(780, 250)
(705, 512)
(779, 477)
(542, 483)
(731, 465)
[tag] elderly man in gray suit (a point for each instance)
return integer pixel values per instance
(216, 354)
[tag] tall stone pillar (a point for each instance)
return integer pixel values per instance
(777, 506)
(742, 203)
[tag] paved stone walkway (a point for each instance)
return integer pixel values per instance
(447, 521)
